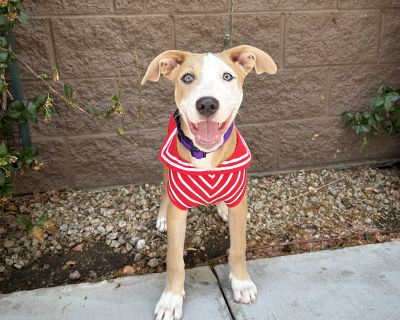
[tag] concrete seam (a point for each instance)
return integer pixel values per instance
(222, 292)
(328, 93)
(130, 75)
(199, 13)
(67, 167)
(283, 39)
(380, 31)
(173, 32)
(144, 131)
(328, 166)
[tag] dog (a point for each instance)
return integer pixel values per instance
(205, 158)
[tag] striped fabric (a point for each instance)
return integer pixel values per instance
(190, 187)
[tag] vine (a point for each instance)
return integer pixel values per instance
(15, 113)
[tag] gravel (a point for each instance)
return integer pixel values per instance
(282, 208)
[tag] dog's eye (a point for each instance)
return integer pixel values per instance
(227, 76)
(187, 78)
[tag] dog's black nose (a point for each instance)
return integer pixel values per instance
(207, 106)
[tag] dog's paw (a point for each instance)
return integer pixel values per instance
(161, 224)
(243, 291)
(222, 210)
(169, 307)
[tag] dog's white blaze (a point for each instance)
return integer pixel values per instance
(211, 84)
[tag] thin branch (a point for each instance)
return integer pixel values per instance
(48, 85)
(229, 28)
(313, 191)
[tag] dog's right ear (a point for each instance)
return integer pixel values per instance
(165, 64)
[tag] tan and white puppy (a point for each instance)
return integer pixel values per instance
(208, 93)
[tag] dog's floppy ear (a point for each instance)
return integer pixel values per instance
(249, 57)
(164, 64)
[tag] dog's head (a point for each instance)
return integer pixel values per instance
(208, 87)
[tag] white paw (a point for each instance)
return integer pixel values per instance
(161, 224)
(222, 209)
(243, 291)
(169, 307)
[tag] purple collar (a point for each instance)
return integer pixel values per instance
(188, 143)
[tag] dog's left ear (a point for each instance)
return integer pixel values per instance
(164, 64)
(249, 57)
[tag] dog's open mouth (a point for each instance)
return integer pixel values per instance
(208, 133)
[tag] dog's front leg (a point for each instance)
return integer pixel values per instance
(244, 290)
(169, 307)
(162, 214)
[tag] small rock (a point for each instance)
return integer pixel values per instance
(64, 227)
(140, 244)
(138, 257)
(153, 263)
(134, 240)
(112, 236)
(8, 243)
(128, 270)
(128, 247)
(75, 275)
(122, 224)
(114, 244)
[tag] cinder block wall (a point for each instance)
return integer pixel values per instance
(331, 57)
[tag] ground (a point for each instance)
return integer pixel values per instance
(104, 234)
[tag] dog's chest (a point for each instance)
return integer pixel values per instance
(191, 190)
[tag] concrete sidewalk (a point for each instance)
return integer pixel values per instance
(352, 283)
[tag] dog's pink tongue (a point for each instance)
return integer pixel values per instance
(207, 131)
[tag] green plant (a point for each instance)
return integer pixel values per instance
(36, 229)
(384, 112)
(16, 112)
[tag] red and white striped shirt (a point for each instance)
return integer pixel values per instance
(190, 187)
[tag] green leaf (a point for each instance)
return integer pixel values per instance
(41, 221)
(121, 131)
(68, 91)
(388, 104)
(3, 42)
(377, 101)
(381, 89)
(39, 99)
(365, 129)
(3, 150)
(24, 18)
(32, 108)
(347, 115)
(3, 86)
(3, 56)
(24, 221)
(3, 20)
(371, 121)
(378, 117)
(393, 96)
